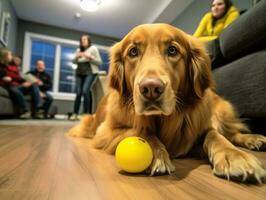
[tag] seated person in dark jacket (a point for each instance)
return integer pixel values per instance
(43, 80)
(17, 87)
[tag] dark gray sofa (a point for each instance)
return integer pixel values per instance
(9, 110)
(6, 105)
(239, 64)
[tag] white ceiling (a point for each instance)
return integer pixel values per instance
(114, 18)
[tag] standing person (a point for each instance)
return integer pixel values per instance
(17, 87)
(43, 80)
(88, 60)
(222, 14)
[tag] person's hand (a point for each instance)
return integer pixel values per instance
(26, 84)
(39, 82)
(88, 55)
(79, 54)
(7, 79)
(42, 95)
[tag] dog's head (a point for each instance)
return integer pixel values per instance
(159, 69)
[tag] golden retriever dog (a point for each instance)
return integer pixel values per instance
(161, 89)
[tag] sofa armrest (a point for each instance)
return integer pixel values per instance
(243, 83)
(245, 33)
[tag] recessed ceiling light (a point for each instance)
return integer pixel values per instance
(90, 5)
(77, 15)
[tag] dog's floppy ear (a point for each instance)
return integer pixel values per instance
(117, 72)
(199, 67)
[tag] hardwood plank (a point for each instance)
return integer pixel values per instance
(19, 195)
(28, 161)
(40, 162)
(192, 175)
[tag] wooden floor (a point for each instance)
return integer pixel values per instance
(39, 162)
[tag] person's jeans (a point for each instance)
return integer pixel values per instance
(215, 54)
(18, 98)
(17, 94)
(34, 92)
(83, 86)
(48, 99)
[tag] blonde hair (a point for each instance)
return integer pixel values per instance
(3, 56)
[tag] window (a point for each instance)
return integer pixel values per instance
(67, 72)
(43, 51)
(57, 54)
(105, 58)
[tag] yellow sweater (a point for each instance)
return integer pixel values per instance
(207, 32)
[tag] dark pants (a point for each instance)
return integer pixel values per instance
(18, 93)
(215, 54)
(48, 99)
(83, 86)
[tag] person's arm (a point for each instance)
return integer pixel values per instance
(208, 38)
(3, 75)
(96, 59)
(77, 56)
(232, 17)
(15, 74)
(47, 83)
(93, 56)
(202, 26)
(2, 72)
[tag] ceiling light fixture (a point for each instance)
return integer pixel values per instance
(90, 5)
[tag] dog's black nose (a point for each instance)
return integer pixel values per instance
(151, 88)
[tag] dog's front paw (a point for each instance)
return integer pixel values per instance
(161, 163)
(238, 165)
(75, 131)
(84, 128)
(80, 131)
(254, 142)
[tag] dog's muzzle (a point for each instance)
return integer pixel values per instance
(151, 89)
(151, 97)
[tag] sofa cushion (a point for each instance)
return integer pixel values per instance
(243, 82)
(4, 92)
(245, 34)
(6, 106)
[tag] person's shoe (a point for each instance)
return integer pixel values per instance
(46, 116)
(73, 117)
(39, 114)
(25, 115)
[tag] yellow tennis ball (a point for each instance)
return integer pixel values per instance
(133, 154)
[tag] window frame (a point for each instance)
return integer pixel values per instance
(58, 42)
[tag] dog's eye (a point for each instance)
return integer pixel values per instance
(134, 52)
(172, 51)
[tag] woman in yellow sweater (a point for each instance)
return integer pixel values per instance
(222, 14)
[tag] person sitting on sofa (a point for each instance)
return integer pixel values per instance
(43, 80)
(17, 87)
(222, 14)
(17, 60)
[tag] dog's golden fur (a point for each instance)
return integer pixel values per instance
(180, 110)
